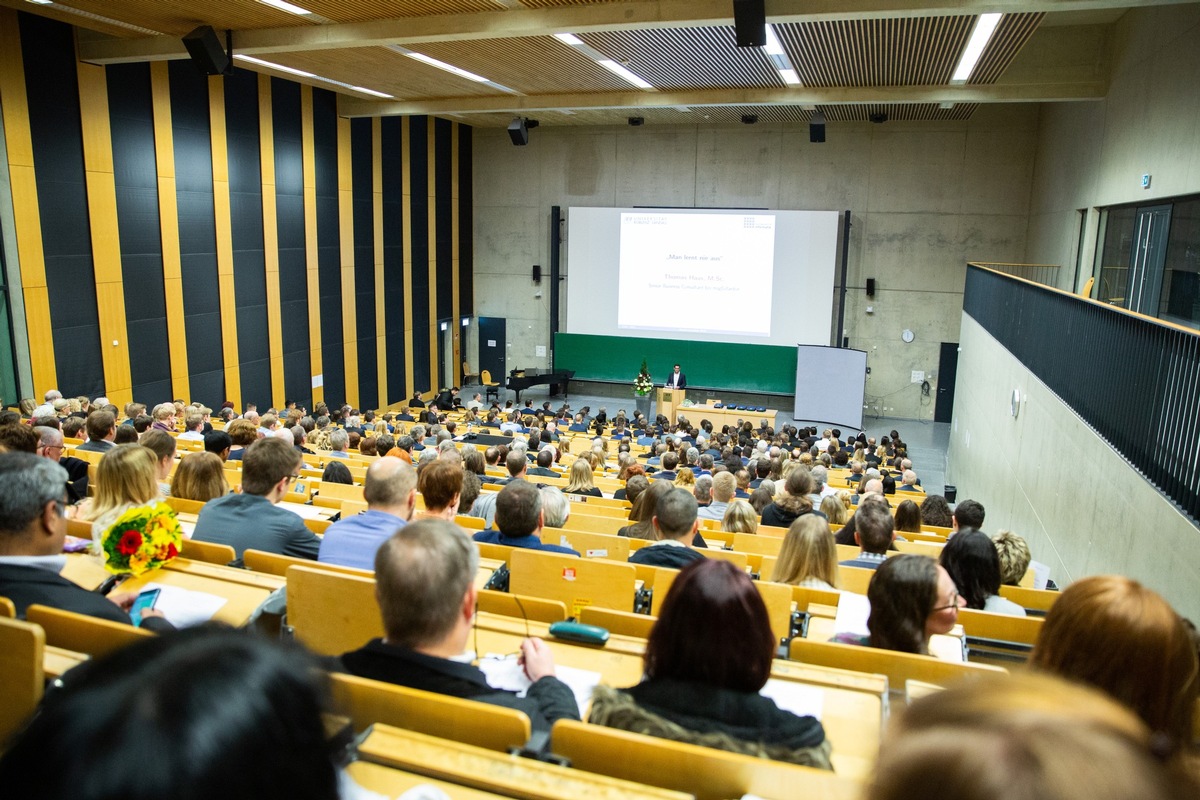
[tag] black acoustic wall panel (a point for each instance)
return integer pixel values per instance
(419, 166)
(249, 261)
(48, 50)
(197, 232)
(394, 291)
(293, 265)
(466, 222)
(131, 120)
(362, 166)
(329, 243)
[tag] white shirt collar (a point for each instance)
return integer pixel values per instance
(54, 563)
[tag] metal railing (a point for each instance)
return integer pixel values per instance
(1133, 379)
(1045, 274)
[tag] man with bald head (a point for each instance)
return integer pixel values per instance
(390, 490)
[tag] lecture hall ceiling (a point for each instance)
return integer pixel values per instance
(850, 59)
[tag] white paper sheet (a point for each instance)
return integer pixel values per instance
(852, 613)
(505, 672)
(798, 698)
(184, 608)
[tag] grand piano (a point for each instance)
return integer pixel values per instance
(521, 379)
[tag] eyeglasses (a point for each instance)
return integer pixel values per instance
(954, 598)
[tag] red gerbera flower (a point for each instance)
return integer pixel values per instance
(131, 540)
(172, 551)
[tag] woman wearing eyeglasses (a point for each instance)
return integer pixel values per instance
(912, 598)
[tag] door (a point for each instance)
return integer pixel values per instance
(492, 342)
(943, 409)
(1147, 258)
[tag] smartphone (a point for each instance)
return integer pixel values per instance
(144, 601)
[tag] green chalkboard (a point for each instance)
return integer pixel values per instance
(769, 369)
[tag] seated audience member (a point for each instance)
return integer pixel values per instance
(581, 481)
(909, 482)
(794, 502)
(520, 520)
(242, 433)
(337, 472)
(339, 442)
(642, 512)
(632, 471)
(126, 435)
(967, 514)
(708, 656)
(935, 511)
(193, 425)
(163, 445)
(125, 477)
(518, 467)
(669, 462)
(51, 446)
(390, 490)
(740, 517)
(543, 464)
(101, 429)
(908, 517)
(251, 520)
(808, 557)
(1019, 737)
(425, 584)
(1014, 556)
(199, 476)
(73, 427)
(1114, 634)
(723, 487)
(834, 510)
(229, 714)
(219, 444)
(762, 497)
(32, 531)
(440, 485)
(18, 438)
(556, 508)
(685, 479)
(874, 533)
(633, 488)
(912, 598)
(971, 559)
(675, 525)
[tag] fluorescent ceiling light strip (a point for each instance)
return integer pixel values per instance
(569, 38)
(283, 5)
(620, 71)
(773, 47)
(433, 62)
(365, 90)
(43, 2)
(985, 26)
(273, 65)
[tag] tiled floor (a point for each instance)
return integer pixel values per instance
(927, 441)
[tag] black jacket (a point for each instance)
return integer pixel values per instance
(30, 585)
(664, 555)
(547, 700)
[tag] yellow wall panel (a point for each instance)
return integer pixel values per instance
(266, 158)
(168, 220)
(308, 148)
(224, 227)
(346, 230)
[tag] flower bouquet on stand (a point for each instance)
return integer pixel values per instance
(141, 538)
(642, 387)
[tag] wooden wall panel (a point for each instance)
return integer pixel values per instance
(346, 215)
(220, 168)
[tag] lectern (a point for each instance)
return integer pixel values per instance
(668, 401)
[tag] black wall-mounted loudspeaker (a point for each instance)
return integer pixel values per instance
(537, 273)
(870, 287)
(816, 128)
(207, 53)
(518, 132)
(750, 22)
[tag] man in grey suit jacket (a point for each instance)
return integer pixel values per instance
(101, 430)
(251, 520)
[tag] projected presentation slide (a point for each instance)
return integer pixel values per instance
(702, 260)
(742, 276)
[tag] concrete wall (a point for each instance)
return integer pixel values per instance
(926, 198)
(1047, 476)
(1094, 154)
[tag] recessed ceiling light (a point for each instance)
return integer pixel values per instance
(43, 2)
(569, 38)
(283, 5)
(789, 77)
(985, 26)
(773, 47)
(272, 65)
(620, 71)
(442, 65)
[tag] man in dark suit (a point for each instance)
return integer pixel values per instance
(520, 519)
(425, 587)
(101, 430)
(251, 520)
(675, 521)
(50, 445)
(677, 380)
(32, 529)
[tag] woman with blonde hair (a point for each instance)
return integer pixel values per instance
(199, 476)
(832, 507)
(808, 557)
(685, 479)
(1112, 633)
(740, 517)
(581, 480)
(126, 476)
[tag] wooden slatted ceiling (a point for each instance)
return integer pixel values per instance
(363, 10)
(687, 58)
(530, 65)
(1013, 32)
(177, 17)
(386, 71)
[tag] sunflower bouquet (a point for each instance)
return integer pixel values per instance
(142, 538)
